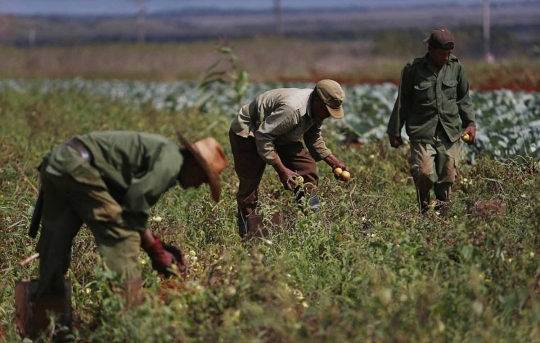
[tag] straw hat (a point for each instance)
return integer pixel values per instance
(211, 157)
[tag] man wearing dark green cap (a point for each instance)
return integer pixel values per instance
(270, 130)
(433, 102)
(110, 180)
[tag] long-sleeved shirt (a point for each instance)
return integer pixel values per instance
(136, 167)
(279, 117)
(425, 99)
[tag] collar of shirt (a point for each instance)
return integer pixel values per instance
(425, 59)
(309, 108)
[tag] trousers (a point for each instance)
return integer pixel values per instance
(249, 167)
(74, 193)
(434, 166)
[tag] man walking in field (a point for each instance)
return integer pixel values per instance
(433, 98)
(270, 129)
(109, 180)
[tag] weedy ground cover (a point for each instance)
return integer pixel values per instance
(367, 267)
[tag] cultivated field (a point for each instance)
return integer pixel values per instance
(367, 268)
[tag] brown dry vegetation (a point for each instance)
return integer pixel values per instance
(266, 60)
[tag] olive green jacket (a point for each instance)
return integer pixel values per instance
(425, 98)
(279, 117)
(137, 168)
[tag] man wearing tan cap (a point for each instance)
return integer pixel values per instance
(434, 105)
(110, 180)
(270, 130)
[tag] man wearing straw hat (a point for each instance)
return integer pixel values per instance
(109, 180)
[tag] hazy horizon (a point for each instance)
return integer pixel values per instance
(81, 7)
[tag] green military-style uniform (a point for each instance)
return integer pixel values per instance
(425, 99)
(112, 194)
(433, 107)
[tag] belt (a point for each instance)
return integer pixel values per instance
(76, 144)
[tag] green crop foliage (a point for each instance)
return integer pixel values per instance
(366, 268)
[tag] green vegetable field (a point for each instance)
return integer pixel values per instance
(366, 268)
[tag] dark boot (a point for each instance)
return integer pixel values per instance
(257, 227)
(35, 320)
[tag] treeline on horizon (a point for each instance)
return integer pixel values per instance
(194, 10)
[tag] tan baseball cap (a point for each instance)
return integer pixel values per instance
(333, 96)
(211, 157)
(441, 39)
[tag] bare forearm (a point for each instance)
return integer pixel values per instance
(279, 167)
(332, 161)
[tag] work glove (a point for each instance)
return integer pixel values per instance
(179, 257)
(166, 259)
(395, 141)
(471, 131)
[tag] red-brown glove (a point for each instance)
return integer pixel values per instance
(179, 257)
(162, 258)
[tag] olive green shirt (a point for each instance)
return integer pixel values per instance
(137, 168)
(425, 99)
(279, 117)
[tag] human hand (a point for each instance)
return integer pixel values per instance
(180, 263)
(289, 179)
(162, 260)
(286, 176)
(395, 141)
(471, 132)
(342, 173)
(338, 168)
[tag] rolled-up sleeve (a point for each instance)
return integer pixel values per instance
(278, 123)
(315, 143)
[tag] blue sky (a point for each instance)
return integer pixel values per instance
(128, 6)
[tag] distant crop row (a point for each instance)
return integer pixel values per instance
(508, 122)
